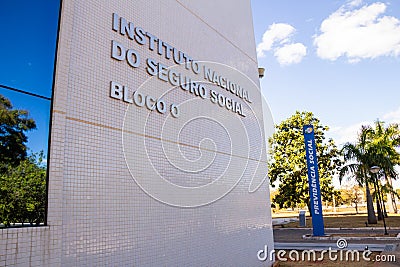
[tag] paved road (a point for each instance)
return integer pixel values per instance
(290, 238)
(291, 235)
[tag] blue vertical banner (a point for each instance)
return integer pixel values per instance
(313, 181)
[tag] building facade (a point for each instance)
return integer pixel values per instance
(158, 140)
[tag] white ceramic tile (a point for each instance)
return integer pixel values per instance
(98, 214)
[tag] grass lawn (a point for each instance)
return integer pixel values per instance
(350, 221)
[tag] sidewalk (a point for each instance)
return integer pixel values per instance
(295, 235)
(396, 254)
(292, 238)
(373, 238)
(283, 221)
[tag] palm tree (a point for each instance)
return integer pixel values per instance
(358, 162)
(375, 147)
(384, 142)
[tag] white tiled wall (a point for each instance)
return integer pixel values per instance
(129, 187)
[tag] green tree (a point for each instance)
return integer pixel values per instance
(23, 192)
(359, 160)
(288, 164)
(13, 125)
(337, 198)
(22, 177)
(376, 146)
(353, 196)
(384, 144)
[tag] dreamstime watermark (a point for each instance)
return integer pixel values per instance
(331, 254)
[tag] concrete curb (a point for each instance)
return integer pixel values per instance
(327, 237)
(393, 248)
(336, 229)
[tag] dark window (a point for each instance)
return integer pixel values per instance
(27, 54)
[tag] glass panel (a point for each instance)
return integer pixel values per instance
(27, 52)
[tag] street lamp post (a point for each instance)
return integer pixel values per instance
(375, 170)
(261, 72)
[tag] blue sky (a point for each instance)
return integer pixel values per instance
(338, 59)
(27, 54)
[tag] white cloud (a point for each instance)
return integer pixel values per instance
(363, 33)
(278, 38)
(355, 3)
(392, 117)
(344, 134)
(290, 53)
(276, 33)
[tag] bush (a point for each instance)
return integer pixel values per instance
(23, 192)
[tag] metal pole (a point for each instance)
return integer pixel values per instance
(380, 200)
(378, 203)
